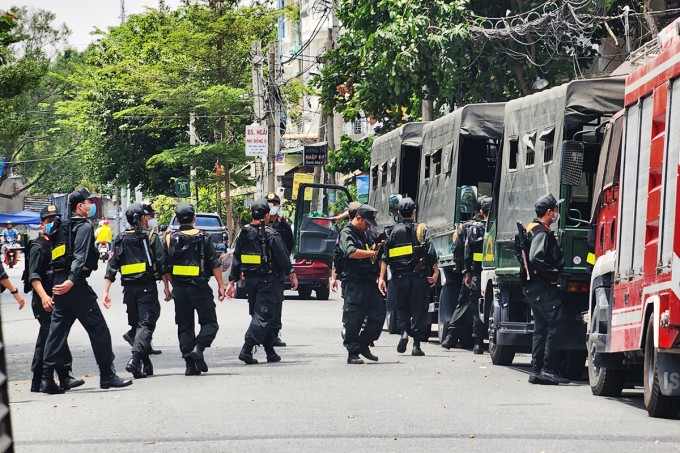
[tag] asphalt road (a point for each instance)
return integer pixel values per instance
(312, 400)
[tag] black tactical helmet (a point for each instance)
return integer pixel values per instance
(133, 213)
(406, 206)
(259, 209)
(484, 204)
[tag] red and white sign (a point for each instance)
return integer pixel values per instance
(257, 140)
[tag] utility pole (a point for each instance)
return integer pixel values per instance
(259, 93)
(427, 105)
(274, 111)
(329, 120)
(123, 16)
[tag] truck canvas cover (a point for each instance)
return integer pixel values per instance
(540, 120)
(446, 135)
(386, 153)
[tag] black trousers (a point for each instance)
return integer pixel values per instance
(143, 311)
(190, 298)
(44, 319)
(411, 296)
(79, 303)
(548, 325)
(276, 323)
(466, 314)
(265, 294)
(363, 313)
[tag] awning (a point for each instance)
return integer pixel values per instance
(547, 135)
(530, 140)
(20, 218)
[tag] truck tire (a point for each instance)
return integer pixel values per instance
(500, 355)
(574, 364)
(658, 405)
(322, 292)
(391, 321)
(603, 381)
(305, 293)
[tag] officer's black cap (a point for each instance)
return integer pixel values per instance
(79, 196)
(546, 202)
(484, 204)
(147, 207)
(185, 212)
(352, 208)
(368, 212)
(406, 205)
(259, 209)
(273, 198)
(48, 211)
(134, 212)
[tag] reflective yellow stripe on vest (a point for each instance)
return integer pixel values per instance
(58, 251)
(186, 271)
(590, 259)
(135, 268)
(401, 251)
(477, 256)
(251, 259)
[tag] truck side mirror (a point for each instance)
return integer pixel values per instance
(572, 162)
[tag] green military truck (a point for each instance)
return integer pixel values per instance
(539, 156)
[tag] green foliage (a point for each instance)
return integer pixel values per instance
(165, 208)
(352, 155)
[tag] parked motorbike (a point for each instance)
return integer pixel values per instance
(11, 251)
(104, 251)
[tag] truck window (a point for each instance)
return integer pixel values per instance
(374, 177)
(208, 221)
(514, 150)
(437, 161)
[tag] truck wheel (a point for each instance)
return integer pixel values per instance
(305, 293)
(323, 292)
(500, 355)
(574, 364)
(391, 321)
(603, 381)
(658, 405)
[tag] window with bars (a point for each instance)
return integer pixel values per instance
(514, 151)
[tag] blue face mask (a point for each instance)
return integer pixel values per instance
(92, 211)
(48, 227)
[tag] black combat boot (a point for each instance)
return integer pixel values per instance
(354, 359)
(449, 342)
(147, 366)
(191, 368)
(272, 356)
(552, 377)
(108, 377)
(416, 349)
(67, 381)
(47, 384)
(403, 342)
(197, 355)
(153, 351)
(478, 348)
(35, 382)
(129, 337)
(366, 352)
(246, 354)
(134, 366)
(279, 343)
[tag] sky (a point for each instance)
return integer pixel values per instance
(83, 16)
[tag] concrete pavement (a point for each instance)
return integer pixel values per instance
(312, 400)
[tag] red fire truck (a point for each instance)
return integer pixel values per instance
(634, 314)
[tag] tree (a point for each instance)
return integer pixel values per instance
(394, 54)
(353, 155)
(32, 141)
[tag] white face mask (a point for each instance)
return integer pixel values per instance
(273, 210)
(555, 217)
(153, 224)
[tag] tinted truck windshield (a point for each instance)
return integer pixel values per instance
(203, 222)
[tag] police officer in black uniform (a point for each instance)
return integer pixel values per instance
(457, 294)
(472, 241)
(39, 277)
(191, 260)
(546, 262)
(364, 309)
(262, 257)
(74, 257)
(139, 256)
(281, 226)
(409, 257)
